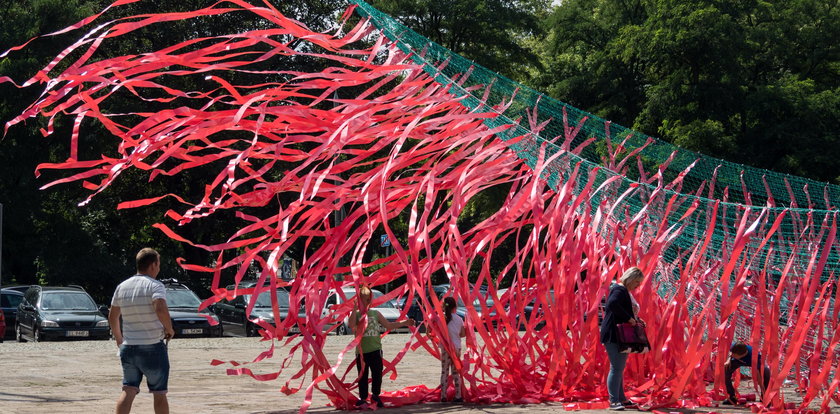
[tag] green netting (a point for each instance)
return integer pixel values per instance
(738, 188)
(785, 190)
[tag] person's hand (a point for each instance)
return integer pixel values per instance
(727, 364)
(409, 322)
(632, 321)
(119, 341)
(168, 334)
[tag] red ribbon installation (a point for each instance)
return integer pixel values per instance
(373, 134)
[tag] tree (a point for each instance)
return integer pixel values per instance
(48, 238)
(752, 82)
(584, 66)
(492, 33)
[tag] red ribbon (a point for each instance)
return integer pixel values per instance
(374, 135)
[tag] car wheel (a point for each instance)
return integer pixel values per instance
(18, 334)
(221, 330)
(36, 335)
(342, 329)
(250, 329)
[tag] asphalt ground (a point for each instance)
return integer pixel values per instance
(85, 377)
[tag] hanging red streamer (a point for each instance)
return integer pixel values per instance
(375, 136)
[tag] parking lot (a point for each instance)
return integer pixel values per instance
(84, 377)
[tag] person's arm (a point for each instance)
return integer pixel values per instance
(393, 325)
(114, 321)
(162, 312)
(463, 331)
(354, 325)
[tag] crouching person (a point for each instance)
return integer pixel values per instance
(741, 355)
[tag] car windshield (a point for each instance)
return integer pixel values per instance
(264, 299)
(10, 301)
(376, 294)
(67, 301)
(477, 303)
(181, 298)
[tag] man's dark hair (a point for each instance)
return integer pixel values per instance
(738, 348)
(145, 258)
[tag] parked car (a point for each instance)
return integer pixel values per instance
(9, 301)
(187, 320)
(18, 288)
(48, 312)
(388, 309)
(232, 312)
(414, 311)
(524, 317)
(445, 290)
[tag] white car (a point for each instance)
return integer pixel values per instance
(388, 309)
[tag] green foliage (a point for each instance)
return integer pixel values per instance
(48, 239)
(42, 238)
(493, 33)
(753, 82)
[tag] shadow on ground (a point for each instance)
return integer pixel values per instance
(504, 408)
(703, 410)
(422, 409)
(6, 396)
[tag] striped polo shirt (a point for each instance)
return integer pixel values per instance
(140, 324)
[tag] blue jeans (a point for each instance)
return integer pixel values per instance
(615, 379)
(149, 360)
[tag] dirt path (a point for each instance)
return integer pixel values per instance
(85, 377)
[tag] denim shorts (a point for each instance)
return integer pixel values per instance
(149, 360)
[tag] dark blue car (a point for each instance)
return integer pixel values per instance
(9, 301)
(187, 320)
(67, 312)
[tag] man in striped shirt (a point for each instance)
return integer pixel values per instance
(141, 301)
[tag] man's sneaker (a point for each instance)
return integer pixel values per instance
(360, 403)
(377, 401)
(457, 400)
(617, 406)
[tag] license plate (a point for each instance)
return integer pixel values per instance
(192, 331)
(78, 333)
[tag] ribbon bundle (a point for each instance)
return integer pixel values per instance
(374, 136)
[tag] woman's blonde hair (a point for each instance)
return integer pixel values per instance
(630, 275)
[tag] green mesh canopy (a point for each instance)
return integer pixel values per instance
(736, 187)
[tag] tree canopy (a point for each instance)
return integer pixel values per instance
(755, 82)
